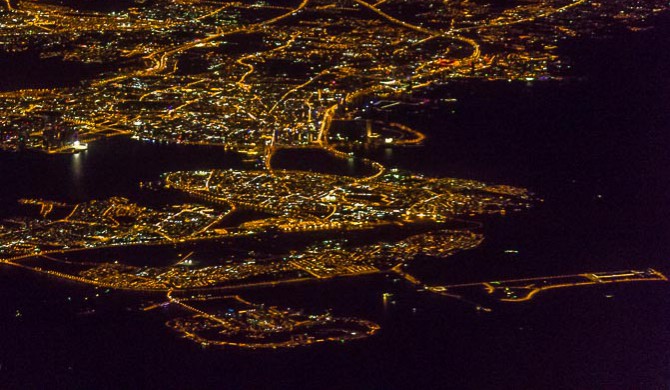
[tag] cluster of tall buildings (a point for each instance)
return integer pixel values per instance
(46, 130)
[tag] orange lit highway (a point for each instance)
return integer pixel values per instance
(521, 290)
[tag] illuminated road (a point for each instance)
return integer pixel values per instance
(521, 290)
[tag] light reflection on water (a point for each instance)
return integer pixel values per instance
(77, 165)
(351, 165)
(388, 154)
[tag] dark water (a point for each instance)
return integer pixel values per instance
(596, 151)
(101, 5)
(28, 70)
(114, 166)
(304, 160)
